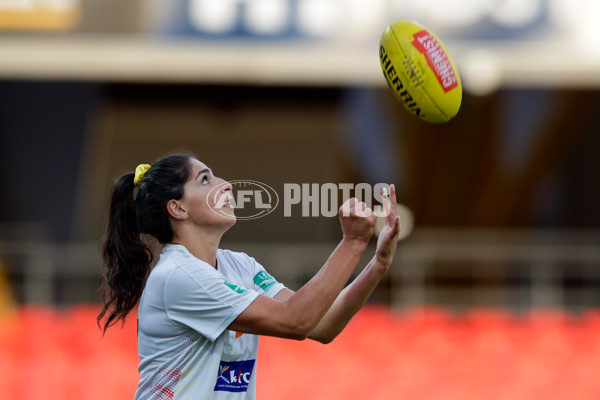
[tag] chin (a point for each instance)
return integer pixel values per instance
(230, 222)
(230, 218)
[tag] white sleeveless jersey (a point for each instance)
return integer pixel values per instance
(185, 349)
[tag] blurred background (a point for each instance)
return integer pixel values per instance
(501, 202)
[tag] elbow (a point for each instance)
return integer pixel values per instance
(323, 339)
(301, 330)
(298, 330)
(298, 337)
(300, 333)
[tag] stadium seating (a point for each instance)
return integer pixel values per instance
(424, 353)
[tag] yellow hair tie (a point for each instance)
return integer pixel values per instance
(140, 171)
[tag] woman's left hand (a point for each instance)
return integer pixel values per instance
(388, 237)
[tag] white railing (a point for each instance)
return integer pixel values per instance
(514, 269)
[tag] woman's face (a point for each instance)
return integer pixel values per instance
(207, 198)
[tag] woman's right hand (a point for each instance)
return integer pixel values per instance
(295, 315)
(357, 220)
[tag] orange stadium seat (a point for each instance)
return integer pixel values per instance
(425, 353)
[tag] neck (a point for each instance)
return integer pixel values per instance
(203, 247)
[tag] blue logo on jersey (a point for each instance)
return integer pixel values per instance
(234, 376)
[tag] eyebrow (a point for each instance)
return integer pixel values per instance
(205, 170)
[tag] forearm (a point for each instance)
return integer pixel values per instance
(295, 315)
(311, 302)
(349, 302)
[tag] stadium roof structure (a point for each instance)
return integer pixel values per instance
(484, 65)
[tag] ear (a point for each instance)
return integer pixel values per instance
(176, 210)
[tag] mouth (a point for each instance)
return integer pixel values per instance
(229, 203)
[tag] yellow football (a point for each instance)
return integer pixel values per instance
(420, 71)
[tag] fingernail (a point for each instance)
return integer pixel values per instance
(393, 186)
(385, 194)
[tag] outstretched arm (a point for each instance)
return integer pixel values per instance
(296, 315)
(355, 295)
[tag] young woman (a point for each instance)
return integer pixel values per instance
(200, 307)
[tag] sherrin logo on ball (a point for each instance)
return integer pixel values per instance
(420, 71)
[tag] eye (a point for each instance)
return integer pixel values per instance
(205, 180)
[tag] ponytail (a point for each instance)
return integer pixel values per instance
(126, 258)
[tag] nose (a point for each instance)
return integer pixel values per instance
(226, 186)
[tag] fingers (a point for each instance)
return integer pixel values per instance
(389, 201)
(390, 210)
(353, 207)
(392, 217)
(362, 210)
(357, 220)
(347, 209)
(387, 204)
(388, 237)
(356, 216)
